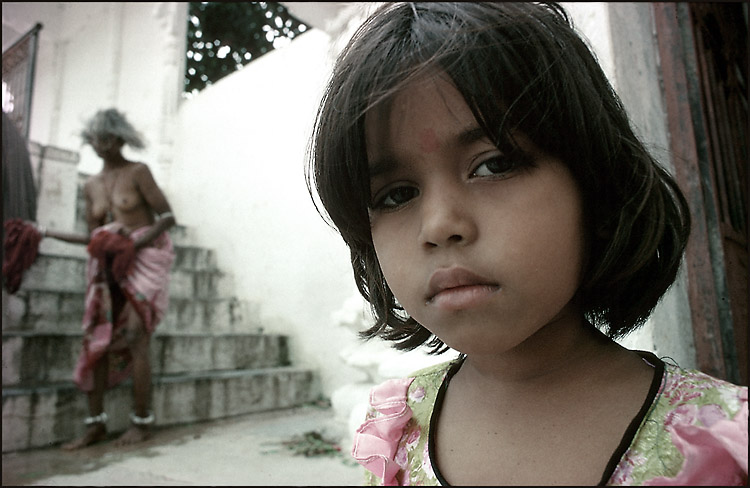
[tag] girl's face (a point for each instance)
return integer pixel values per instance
(482, 248)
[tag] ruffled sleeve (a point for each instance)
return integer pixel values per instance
(376, 441)
(715, 449)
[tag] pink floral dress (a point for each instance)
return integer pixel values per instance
(691, 430)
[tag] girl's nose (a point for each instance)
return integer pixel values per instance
(446, 220)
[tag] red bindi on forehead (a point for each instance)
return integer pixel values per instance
(428, 141)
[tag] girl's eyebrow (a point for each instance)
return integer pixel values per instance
(389, 162)
(382, 166)
(471, 135)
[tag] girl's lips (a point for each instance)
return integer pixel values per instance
(463, 297)
(457, 288)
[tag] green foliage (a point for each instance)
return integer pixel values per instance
(225, 36)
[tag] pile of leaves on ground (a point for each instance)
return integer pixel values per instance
(314, 444)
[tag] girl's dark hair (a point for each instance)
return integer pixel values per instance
(519, 66)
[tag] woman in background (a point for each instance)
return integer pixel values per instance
(127, 276)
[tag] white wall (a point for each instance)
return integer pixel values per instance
(98, 55)
(241, 188)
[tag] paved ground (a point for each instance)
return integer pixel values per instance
(247, 450)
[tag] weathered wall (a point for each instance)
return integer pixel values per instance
(622, 36)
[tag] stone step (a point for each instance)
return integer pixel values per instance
(33, 359)
(209, 357)
(68, 274)
(194, 258)
(187, 257)
(48, 311)
(42, 417)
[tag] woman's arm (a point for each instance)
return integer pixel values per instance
(64, 236)
(165, 222)
(155, 199)
(73, 238)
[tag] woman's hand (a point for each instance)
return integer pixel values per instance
(137, 243)
(39, 228)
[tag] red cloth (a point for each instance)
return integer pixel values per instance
(20, 249)
(119, 248)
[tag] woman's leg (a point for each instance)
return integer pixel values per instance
(96, 431)
(138, 341)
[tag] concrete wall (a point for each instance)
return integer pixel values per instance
(622, 36)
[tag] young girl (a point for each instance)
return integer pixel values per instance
(127, 275)
(495, 200)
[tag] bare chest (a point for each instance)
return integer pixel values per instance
(114, 194)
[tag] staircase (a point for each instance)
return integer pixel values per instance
(210, 358)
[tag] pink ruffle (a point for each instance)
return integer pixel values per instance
(376, 441)
(715, 455)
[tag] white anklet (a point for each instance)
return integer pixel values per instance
(98, 419)
(142, 420)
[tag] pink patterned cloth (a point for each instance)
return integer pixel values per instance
(377, 439)
(715, 455)
(692, 431)
(146, 288)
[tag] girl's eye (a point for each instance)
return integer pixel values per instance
(495, 166)
(395, 197)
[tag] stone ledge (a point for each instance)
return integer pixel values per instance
(53, 312)
(35, 359)
(67, 274)
(42, 417)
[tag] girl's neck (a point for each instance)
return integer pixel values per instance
(558, 351)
